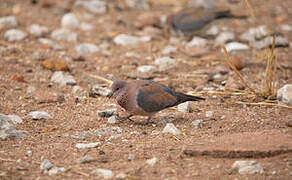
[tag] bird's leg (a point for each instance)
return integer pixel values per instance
(125, 117)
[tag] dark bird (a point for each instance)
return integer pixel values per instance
(145, 98)
(192, 21)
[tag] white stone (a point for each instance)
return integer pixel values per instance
(138, 4)
(93, 6)
(103, 173)
(146, 69)
(86, 48)
(185, 107)
(36, 115)
(286, 27)
(247, 167)
(69, 21)
(77, 89)
(88, 145)
(121, 176)
(64, 35)
(14, 35)
(197, 123)
(97, 90)
(197, 42)
(37, 30)
(29, 153)
(152, 161)
(170, 128)
(169, 49)
(86, 26)
(206, 4)
(268, 42)
(8, 22)
(236, 46)
(284, 95)
(15, 119)
(7, 130)
(113, 120)
(82, 136)
(50, 43)
(209, 114)
(126, 40)
(46, 165)
(62, 78)
(165, 63)
(213, 31)
(254, 33)
(224, 37)
(56, 170)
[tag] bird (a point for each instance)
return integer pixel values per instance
(146, 97)
(194, 21)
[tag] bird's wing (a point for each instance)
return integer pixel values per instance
(154, 97)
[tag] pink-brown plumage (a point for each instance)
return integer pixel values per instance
(145, 98)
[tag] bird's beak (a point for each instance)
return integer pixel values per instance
(110, 94)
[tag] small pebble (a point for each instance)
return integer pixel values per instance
(152, 161)
(103, 173)
(36, 115)
(170, 128)
(88, 145)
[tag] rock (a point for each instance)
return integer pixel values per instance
(103, 173)
(7, 130)
(235, 47)
(37, 30)
(62, 78)
(55, 65)
(107, 130)
(46, 165)
(64, 35)
(121, 176)
(56, 170)
(88, 145)
(36, 115)
(152, 161)
(131, 157)
(108, 113)
(247, 167)
(15, 35)
(236, 61)
(170, 128)
(268, 42)
(206, 4)
(147, 19)
(284, 27)
(165, 63)
(284, 95)
(213, 31)
(86, 26)
(29, 153)
(209, 114)
(126, 40)
(146, 69)
(77, 89)
(185, 107)
(97, 90)
(8, 22)
(138, 4)
(197, 123)
(113, 120)
(224, 37)
(169, 49)
(50, 43)
(254, 33)
(93, 6)
(289, 123)
(231, 83)
(81, 136)
(198, 42)
(15, 119)
(86, 48)
(86, 159)
(69, 21)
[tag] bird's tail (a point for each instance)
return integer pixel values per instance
(184, 97)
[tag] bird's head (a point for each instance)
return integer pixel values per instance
(116, 88)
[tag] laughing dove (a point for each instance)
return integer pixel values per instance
(145, 98)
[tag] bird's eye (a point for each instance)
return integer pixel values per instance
(117, 89)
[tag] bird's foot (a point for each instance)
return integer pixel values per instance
(125, 117)
(144, 123)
